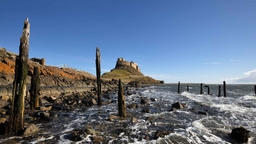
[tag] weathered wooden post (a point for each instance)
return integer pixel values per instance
(219, 91)
(255, 89)
(179, 87)
(121, 100)
(98, 75)
(224, 88)
(201, 88)
(187, 88)
(35, 90)
(208, 89)
(16, 118)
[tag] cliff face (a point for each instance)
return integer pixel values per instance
(49, 75)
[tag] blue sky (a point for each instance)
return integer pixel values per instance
(205, 41)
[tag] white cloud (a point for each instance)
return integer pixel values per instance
(213, 63)
(234, 60)
(248, 78)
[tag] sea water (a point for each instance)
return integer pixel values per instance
(186, 126)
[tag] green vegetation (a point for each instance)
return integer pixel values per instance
(117, 74)
(127, 76)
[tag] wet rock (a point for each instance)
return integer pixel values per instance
(93, 101)
(91, 131)
(202, 113)
(133, 120)
(3, 103)
(51, 99)
(177, 105)
(153, 99)
(77, 134)
(106, 102)
(89, 102)
(134, 84)
(130, 92)
(161, 133)
(3, 111)
(5, 97)
(97, 139)
(112, 117)
(145, 109)
(43, 101)
(45, 108)
(31, 129)
(144, 100)
(133, 105)
(58, 107)
(240, 134)
(3, 120)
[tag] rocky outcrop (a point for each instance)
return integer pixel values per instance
(240, 134)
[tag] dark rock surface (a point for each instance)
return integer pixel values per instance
(240, 134)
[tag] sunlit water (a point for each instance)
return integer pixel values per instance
(186, 126)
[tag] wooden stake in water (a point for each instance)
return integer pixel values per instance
(121, 100)
(224, 88)
(219, 91)
(178, 87)
(208, 87)
(201, 88)
(35, 89)
(98, 73)
(16, 118)
(187, 88)
(255, 89)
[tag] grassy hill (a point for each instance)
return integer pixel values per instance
(128, 74)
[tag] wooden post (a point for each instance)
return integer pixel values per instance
(219, 91)
(201, 88)
(224, 88)
(179, 87)
(255, 89)
(98, 75)
(121, 100)
(35, 90)
(16, 118)
(187, 88)
(208, 89)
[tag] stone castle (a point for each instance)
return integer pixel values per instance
(121, 61)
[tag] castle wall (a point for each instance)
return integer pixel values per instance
(121, 61)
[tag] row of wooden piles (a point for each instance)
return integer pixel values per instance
(208, 89)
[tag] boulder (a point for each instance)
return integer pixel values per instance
(133, 105)
(153, 99)
(93, 101)
(3, 111)
(3, 103)
(177, 105)
(112, 117)
(45, 108)
(240, 134)
(77, 134)
(133, 120)
(161, 133)
(202, 113)
(91, 131)
(144, 100)
(31, 129)
(145, 109)
(5, 97)
(3, 120)
(97, 139)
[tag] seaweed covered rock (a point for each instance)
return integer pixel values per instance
(240, 134)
